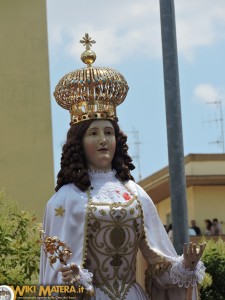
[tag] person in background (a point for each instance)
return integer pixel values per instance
(195, 227)
(170, 232)
(165, 226)
(191, 232)
(208, 227)
(216, 227)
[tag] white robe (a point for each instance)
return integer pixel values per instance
(72, 228)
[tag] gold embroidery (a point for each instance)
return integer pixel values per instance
(113, 244)
(157, 266)
(116, 261)
(148, 282)
(95, 225)
(84, 254)
(131, 211)
(102, 212)
(117, 237)
(160, 267)
(59, 211)
(158, 263)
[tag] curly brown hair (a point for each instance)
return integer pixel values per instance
(73, 162)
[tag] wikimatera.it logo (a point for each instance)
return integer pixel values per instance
(40, 292)
(6, 293)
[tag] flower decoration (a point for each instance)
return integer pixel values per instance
(55, 249)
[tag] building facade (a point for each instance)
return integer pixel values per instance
(205, 182)
(26, 160)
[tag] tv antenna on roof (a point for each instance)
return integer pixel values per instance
(220, 140)
(136, 156)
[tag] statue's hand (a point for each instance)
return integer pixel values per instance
(192, 255)
(69, 273)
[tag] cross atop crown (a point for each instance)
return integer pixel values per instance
(87, 41)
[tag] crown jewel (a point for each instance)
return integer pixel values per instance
(91, 92)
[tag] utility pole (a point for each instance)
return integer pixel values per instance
(174, 125)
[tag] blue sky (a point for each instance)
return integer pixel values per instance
(128, 39)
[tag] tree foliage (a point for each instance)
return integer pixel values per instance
(19, 246)
(213, 287)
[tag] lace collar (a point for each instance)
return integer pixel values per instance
(106, 187)
(96, 175)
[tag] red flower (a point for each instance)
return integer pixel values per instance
(126, 196)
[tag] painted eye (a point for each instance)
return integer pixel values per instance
(93, 133)
(109, 132)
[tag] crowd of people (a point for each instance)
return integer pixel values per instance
(211, 228)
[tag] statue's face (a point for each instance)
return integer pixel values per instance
(99, 144)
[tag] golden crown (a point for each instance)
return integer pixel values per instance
(91, 92)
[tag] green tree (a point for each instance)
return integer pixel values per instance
(19, 244)
(213, 287)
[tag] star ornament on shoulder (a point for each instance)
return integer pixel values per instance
(59, 211)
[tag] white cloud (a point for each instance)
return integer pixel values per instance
(207, 93)
(199, 23)
(122, 29)
(127, 28)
